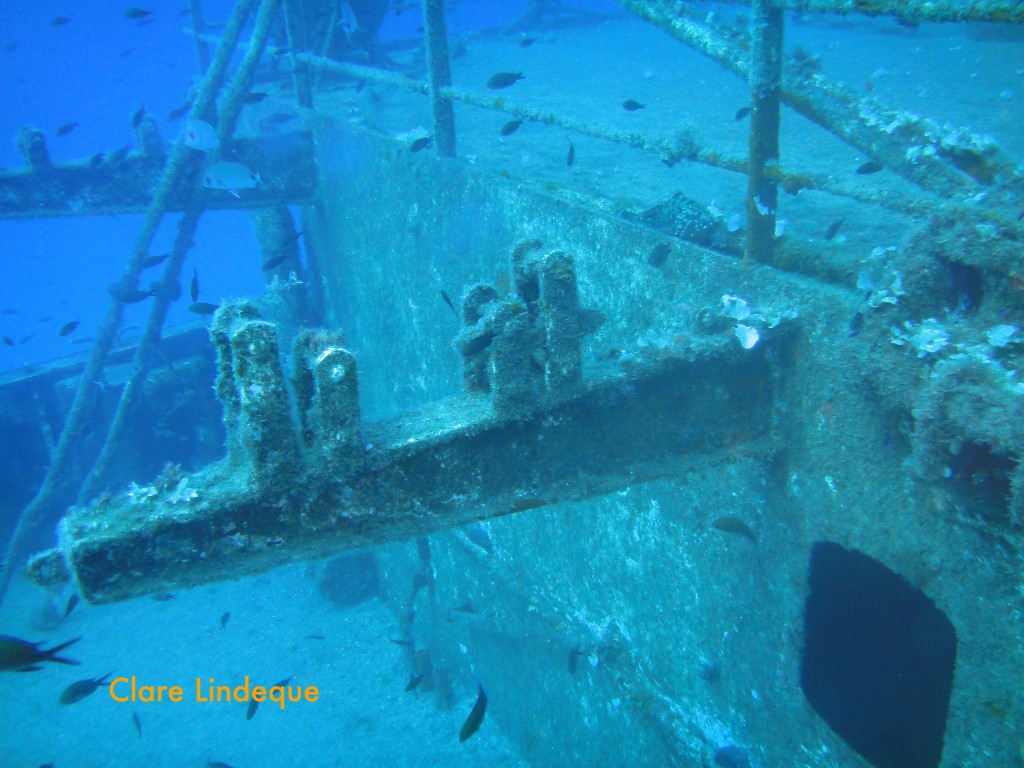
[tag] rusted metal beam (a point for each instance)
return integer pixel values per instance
(284, 162)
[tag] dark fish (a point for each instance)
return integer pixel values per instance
(274, 261)
(856, 324)
(631, 105)
(8, 341)
(250, 712)
(217, 764)
(138, 723)
(72, 602)
(202, 308)
(136, 13)
(152, 261)
(125, 52)
(868, 168)
(282, 50)
(510, 127)
(118, 156)
(406, 643)
(96, 161)
(504, 80)
(574, 657)
(254, 97)
(10, 46)
(466, 607)
(659, 255)
(224, 619)
(137, 116)
(133, 296)
(741, 113)
(571, 157)
(9, 311)
(421, 143)
(68, 328)
(65, 129)
(178, 112)
(24, 656)
(163, 597)
(526, 41)
(82, 688)
(414, 680)
(731, 756)
(315, 637)
(447, 300)
(26, 338)
(732, 524)
(59, 21)
(194, 287)
(833, 228)
(476, 715)
(278, 118)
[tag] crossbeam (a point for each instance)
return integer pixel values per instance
(530, 431)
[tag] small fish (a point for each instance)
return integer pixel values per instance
(504, 80)
(574, 657)
(194, 285)
(447, 300)
(59, 21)
(282, 50)
(202, 308)
(26, 338)
(254, 97)
(10, 46)
(421, 143)
(571, 157)
(179, 112)
(741, 113)
(134, 296)
(138, 723)
(732, 524)
(8, 341)
(163, 597)
(82, 688)
(96, 161)
(137, 116)
(23, 655)
(833, 228)
(68, 328)
(65, 129)
(856, 324)
(476, 715)
(224, 619)
(118, 156)
(466, 607)
(200, 135)
(72, 602)
(136, 13)
(278, 119)
(414, 680)
(526, 41)
(230, 176)
(275, 261)
(659, 255)
(152, 261)
(217, 764)
(868, 168)
(630, 105)
(314, 637)
(510, 127)
(731, 756)
(406, 643)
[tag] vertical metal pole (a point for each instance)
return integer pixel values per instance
(440, 74)
(298, 42)
(195, 8)
(765, 92)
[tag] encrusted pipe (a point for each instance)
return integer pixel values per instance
(264, 429)
(475, 340)
(563, 365)
(440, 74)
(327, 390)
(765, 86)
(32, 145)
(515, 380)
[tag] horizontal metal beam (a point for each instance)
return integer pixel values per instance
(103, 186)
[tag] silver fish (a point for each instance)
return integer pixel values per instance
(200, 135)
(230, 176)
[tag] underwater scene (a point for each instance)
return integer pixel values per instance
(535, 383)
